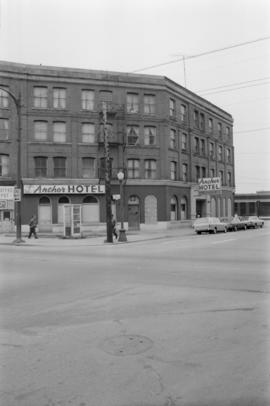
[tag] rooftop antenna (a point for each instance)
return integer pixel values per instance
(184, 65)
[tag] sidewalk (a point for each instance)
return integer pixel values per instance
(48, 240)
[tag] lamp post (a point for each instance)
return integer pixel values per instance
(18, 222)
(122, 231)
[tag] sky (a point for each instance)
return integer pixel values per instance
(129, 36)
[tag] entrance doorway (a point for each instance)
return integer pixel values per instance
(200, 208)
(133, 213)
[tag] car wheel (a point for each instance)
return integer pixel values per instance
(198, 232)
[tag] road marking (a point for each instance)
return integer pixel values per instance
(220, 242)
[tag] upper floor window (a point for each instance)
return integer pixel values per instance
(59, 131)
(196, 118)
(88, 99)
(4, 99)
(197, 172)
(172, 108)
(185, 172)
(133, 168)
(210, 125)
(203, 172)
(59, 167)
(229, 179)
(184, 142)
(40, 97)
(211, 150)
(40, 166)
(149, 136)
(173, 170)
(149, 104)
(228, 132)
(183, 112)
(4, 127)
(132, 135)
(196, 144)
(228, 155)
(59, 98)
(220, 174)
(172, 138)
(202, 121)
(88, 133)
(220, 152)
(88, 167)
(4, 165)
(219, 129)
(203, 147)
(212, 173)
(105, 96)
(150, 169)
(132, 103)
(41, 130)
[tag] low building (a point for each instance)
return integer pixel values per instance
(253, 204)
(164, 137)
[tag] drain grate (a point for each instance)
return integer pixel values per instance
(126, 345)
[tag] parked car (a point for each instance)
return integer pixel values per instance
(254, 222)
(209, 225)
(234, 223)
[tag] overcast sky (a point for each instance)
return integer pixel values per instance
(129, 35)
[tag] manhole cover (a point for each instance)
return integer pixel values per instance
(126, 345)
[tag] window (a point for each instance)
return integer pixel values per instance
(196, 118)
(220, 174)
(220, 151)
(183, 112)
(150, 167)
(88, 167)
(4, 99)
(59, 167)
(228, 155)
(59, 98)
(197, 172)
(173, 170)
(40, 130)
(132, 135)
(202, 147)
(149, 104)
(203, 172)
(59, 132)
(88, 100)
(40, 166)
(172, 108)
(88, 133)
(105, 96)
(212, 173)
(211, 150)
(184, 142)
(210, 125)
(202, 122)
(219, 130)
(185, 172)
(40, 97)
(133, 168)
(132, 103)
(229, 179)
(196, 144)
(172, 138)
(4, 165)
(4, 125)
(149, 136)
(228, 132)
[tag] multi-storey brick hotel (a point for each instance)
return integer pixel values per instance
(163, 136)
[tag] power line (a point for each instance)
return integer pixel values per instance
(235, 88)
(202, 54)
(252, 131)
(233, 84)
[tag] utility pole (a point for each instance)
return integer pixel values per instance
(107, 175)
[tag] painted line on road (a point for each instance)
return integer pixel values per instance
(220, 242)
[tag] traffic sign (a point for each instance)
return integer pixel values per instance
(17, 194)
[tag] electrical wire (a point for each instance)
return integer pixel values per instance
(235, 88)
(232, 84)
(251, 131)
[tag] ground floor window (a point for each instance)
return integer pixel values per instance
(90, 210)
(173, 206)
(44, 211)
(183, 208)
(150, 209)
(61, 202)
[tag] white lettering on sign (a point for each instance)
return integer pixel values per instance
(209, 184)
(63, 189)
(6, 192)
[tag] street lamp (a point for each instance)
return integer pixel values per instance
(122, 231)
(17, 101)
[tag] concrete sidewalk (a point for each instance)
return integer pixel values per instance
(48, 240)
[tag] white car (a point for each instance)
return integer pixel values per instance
(254, 222)
(209, 225)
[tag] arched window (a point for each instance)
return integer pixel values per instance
(150, 209)
(44, 211)
(61, 202)
(183, 208)
(173, 208)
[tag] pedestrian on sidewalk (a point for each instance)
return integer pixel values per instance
(32, 227)
(114, 230)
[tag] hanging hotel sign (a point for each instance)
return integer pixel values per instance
(209, 184)
(63, 189)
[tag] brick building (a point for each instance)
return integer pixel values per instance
(253, 204)
(162, 135)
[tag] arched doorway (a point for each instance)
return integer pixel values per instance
(44, 212)
(133, 213)
(90, 210)
(183, 204)
(60, 210)
(150, 209)
(174, 208)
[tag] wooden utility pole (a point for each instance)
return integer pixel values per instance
(107, 175)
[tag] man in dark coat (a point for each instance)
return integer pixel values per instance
(32, 225)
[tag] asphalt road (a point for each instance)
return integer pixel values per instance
(179, 321)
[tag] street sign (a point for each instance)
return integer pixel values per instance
(3, 204)
(17, 194)
(6, 192)
(209, 184)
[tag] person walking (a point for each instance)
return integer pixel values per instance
(32, 226)
(114, 231)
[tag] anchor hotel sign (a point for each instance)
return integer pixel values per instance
(209, 184)
(63, 189)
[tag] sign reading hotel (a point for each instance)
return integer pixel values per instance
(63, 189)
(209, 184)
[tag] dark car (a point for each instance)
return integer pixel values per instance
(234, 223)
(254, 222)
